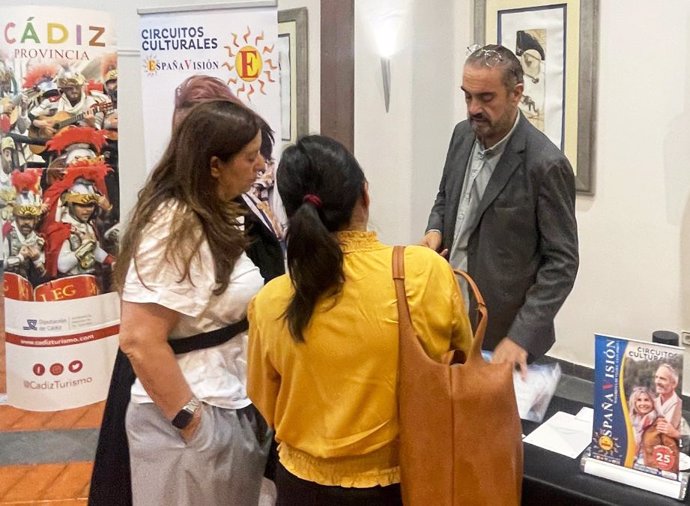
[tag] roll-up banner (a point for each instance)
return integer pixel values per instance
(59, 204)
(234, 42)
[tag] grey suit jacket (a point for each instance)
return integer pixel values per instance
(523, 254)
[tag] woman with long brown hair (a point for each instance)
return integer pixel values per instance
(263, 247)
(185, 282)
(261, 225)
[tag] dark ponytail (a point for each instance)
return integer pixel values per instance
(319, 182)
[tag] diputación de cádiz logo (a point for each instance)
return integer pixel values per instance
(250, 68)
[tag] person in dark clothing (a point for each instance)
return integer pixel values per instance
(111, 471)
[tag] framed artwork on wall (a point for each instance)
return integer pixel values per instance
(556, 43)
(294, 73)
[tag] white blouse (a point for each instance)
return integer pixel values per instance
(215, 375)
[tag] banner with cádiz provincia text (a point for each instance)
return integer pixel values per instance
(59, 203)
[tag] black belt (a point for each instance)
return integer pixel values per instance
(208, 339)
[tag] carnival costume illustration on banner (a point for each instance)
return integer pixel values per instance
(9, 112)
(77, 200)
(14, 106)
(14, 103)
(79, 103)
(8, 147)
(38, 86)
(55, 212)
(9, 160)
(109, 74)
(22, 247)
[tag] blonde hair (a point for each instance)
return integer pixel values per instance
(635, 395)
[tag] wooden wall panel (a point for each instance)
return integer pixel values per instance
(338, 70)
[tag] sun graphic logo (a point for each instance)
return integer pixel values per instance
(150, 65)
(607, 444)
(251, 67)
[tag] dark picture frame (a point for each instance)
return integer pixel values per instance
(579, 68)
(293, 50)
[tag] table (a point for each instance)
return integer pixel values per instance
(554, 479)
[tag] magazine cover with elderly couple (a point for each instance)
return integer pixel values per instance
(638, 405)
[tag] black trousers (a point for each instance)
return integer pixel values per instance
(294, 491)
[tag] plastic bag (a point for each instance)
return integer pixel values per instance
(534, 394)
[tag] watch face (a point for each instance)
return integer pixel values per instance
(182, 419)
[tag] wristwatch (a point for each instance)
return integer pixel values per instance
(185, 415)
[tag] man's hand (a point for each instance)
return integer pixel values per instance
(104, 203)
(509, 351)
(46, 125)
(33, 252)
(433, 240)
(665, 427)
(90, 118)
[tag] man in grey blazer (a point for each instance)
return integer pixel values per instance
(505, 211)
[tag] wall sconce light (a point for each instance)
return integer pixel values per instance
(386, 74)
(386, 18)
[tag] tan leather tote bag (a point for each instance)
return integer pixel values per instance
(460, 432)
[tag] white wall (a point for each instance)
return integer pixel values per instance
(634, 232)
(402, 151)
(382, 140)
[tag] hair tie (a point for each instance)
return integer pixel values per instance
(314, 200)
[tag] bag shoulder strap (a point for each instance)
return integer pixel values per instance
(404, 319)
(482, 313)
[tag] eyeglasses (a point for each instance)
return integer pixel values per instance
(490, 57)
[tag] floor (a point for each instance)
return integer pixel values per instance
(46, 458)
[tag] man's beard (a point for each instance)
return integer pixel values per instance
(480, 124)
(26, 230)
(73, 100)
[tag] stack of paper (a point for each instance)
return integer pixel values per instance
(564, 433)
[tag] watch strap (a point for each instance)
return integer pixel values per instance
(184, 416)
